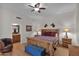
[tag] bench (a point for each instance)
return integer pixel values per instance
(35, 50)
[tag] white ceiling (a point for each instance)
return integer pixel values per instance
(52, 9)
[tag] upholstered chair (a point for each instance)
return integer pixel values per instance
(6, 45)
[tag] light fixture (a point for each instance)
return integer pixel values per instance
(53, 25)
(14, 24)
(45, 25)
(18, 17)
(66, 30)
(36, 9)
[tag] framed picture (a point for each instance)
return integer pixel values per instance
(28, 28)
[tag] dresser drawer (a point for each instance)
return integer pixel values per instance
(66, 42)
(16, 38)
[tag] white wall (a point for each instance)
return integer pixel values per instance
(7, 19)
(67, 19)
(0, 20)
(77, 23)
(61, 20)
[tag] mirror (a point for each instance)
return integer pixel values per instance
(15, 28)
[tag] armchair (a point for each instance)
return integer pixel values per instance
(6, 45)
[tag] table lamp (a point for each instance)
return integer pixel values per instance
(66, 31)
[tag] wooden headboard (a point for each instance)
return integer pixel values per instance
(50, 32)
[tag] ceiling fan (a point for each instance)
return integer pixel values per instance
(37, 7)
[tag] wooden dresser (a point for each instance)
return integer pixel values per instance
(16, 38)
(66, 42)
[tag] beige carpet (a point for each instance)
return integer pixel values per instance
(74, 51)
(61, 51)
(18, 50)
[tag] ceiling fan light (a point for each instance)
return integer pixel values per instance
(36, 9)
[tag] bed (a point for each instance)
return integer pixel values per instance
(48, 39)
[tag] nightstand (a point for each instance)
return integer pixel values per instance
(66, 42)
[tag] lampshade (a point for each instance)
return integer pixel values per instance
(66, 29)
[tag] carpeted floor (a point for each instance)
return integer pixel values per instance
(74, 51)
(61, 51)
(18, 50)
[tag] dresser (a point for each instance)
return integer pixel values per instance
(16, 38)
(66, 42)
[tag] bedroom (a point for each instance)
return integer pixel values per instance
(61, 14)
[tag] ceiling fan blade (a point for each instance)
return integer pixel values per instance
(39, 11)
(30, 6)
(37, 5)
(42, 8)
